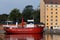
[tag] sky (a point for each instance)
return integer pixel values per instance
(7, 5)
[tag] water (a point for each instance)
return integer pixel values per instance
(52, 37)
(29, 37)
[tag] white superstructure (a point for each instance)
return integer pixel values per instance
(11, 26)
(30, 23)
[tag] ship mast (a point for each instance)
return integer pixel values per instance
(22, 22)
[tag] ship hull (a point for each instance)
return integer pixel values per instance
(24, 30)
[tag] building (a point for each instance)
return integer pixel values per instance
(50, 13)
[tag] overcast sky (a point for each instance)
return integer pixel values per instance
(7, 5)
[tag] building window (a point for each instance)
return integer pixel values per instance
(56, 20)
(47, 26)
(56, 16)
(51, 27)
(47, 19)
(54, 26)
(51, 19)
(51, 23)
(51, 8)
(56, 9)
(51, 12)
(47, 23)
(56, 23)
(51, 5)
(51, 16)
(47, 5)
(56, 12)
(47, 16)
(56, 5)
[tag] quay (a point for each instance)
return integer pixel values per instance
(52, 31)
(1, 29)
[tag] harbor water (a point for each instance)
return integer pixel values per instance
(29, 37)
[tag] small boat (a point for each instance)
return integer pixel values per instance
(30, 27)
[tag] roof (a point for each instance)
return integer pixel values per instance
(52, 1)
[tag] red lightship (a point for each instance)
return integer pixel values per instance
(30, 27)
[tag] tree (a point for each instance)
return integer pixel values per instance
(27, 12)
(15, 15)
(36, 15)
(3, 18)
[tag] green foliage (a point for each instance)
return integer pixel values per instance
(36, 15)
(27, 12)
(15, 15)
(3, 18)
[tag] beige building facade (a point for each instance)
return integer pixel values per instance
(50, 13)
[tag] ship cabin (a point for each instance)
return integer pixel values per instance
(30, 23)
